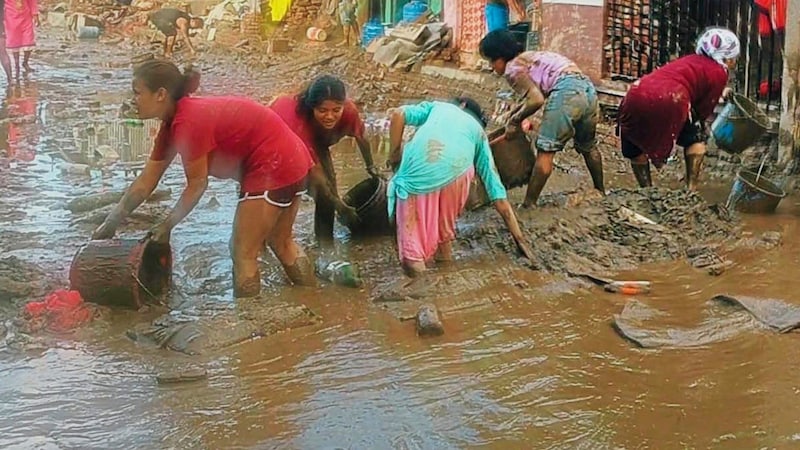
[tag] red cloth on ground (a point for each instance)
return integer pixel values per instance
(244, 140)
(349, 125)
(61, 311)
(656, 107)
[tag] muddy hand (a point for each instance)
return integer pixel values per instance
(160, 234)
(374, 172)
(524, 248)
(512, 130)
(348, 213)
(106, 230)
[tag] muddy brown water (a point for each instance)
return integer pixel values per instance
(542, 369)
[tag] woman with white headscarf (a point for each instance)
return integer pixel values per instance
(670, 105)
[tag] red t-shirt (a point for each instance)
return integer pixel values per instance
(349, 125)
(244, 140)
(656, 107)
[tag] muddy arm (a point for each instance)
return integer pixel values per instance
(396, 126)
(184, 29)
(140, 189)
(366, 154)
(503, 207)
(533, 99)
(196, 183)
(320, 186)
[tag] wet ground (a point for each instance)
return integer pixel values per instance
(536, 364)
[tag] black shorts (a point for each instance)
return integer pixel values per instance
(168, 28)
(691, 133)
(282, 197)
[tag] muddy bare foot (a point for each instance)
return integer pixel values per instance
(28, 69)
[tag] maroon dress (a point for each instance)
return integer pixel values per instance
(656, 107)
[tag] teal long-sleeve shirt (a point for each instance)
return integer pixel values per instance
(448, 141)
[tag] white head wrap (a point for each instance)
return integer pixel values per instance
(718, 44)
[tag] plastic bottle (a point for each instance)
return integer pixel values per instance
(339, 272)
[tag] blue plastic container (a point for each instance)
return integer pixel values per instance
(413, 10)
(740, 124)
(372, 30)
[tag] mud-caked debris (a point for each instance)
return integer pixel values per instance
(184, 375)
(428, 321)
(619, 232)
(21, 280)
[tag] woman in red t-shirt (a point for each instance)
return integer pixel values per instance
(225, 137)
(672, 103)
(322, 115)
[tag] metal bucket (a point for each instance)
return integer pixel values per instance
(740, 124)
(121, 272)
(369, 199)
(753, 194)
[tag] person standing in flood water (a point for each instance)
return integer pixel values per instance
(671, 105)
(571, 110)
(5, 61)
(321, 115)
(224, 137)
(171, 22)
(20, 18)
(433, 174)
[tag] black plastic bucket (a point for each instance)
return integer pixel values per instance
(369, 199)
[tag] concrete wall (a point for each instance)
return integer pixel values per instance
(576, 29)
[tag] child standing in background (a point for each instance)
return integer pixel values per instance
(349, 19)
(20, 18)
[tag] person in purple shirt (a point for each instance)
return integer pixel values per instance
(571, 111)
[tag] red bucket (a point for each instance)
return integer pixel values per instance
(121, 272)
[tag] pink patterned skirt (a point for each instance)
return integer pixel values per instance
(424, 221)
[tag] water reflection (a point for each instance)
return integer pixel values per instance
(22, 102)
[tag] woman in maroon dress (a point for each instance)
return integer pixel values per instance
(671, 105)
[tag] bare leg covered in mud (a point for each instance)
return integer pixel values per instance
(541, 172)
(16, 65)
(326, 198)
(694, 156)
(594, 162)
(258, 222)
(641, 170)
(26, 65)
(5, 61)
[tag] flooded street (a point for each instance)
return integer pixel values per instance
(542, 368)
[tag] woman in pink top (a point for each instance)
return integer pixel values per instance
(20, 18)
(224, 137)
(321, 115)
(570, 105)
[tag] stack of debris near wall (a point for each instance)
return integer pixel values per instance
(408, 44)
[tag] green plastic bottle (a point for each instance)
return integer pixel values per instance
(136, 123)
(339, 272)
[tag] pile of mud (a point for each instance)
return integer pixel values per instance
(21, 281)
(616, 232)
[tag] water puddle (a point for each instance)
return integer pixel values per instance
(540, 364)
